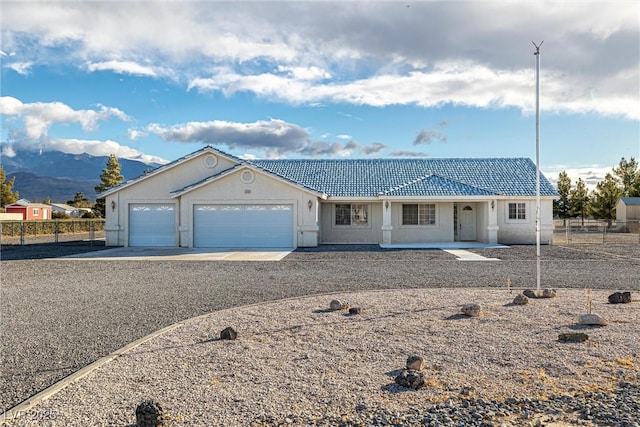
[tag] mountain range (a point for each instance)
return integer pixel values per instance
(59, 176)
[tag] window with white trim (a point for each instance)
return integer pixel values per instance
(352, 214)
(518, 211)
(419, 214)
(36, 211)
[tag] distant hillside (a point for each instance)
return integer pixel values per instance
(38, 188)
(60, 175)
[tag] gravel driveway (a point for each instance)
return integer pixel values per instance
(58, 315)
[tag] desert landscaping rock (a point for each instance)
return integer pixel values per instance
(335, 305)
(415, 362)
(573, 337)
(521, 299)
(356, 310)
(149, 414)
(471, 310)
(591, 319)
(228, 333)
(529, 293)
(410, 378)
(549, 293)
(620, 298)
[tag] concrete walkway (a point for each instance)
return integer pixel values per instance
(458, 249)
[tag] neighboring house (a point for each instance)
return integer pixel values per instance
(628, 211)
(29, 210)
(215, 200)
(69, 210)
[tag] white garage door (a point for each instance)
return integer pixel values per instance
(243, 226)
(152, 225)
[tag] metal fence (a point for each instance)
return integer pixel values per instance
(577, 231)
(569, 232)
(51, 231)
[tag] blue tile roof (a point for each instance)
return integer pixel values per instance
(419, 177)
(392, 177)
(631, 201)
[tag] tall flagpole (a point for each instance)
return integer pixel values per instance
(537, 54)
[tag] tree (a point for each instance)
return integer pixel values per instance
(564, 190)
(79, 201)
(579, 200)
(628, 172)
(109, 178)
(605, 197)
(7, 196)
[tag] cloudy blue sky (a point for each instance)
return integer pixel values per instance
(157, 80)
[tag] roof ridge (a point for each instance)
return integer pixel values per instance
(406, 184)
(467, 184)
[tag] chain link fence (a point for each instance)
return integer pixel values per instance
(51, 231)
(577, 231)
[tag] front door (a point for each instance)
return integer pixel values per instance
(468, 224)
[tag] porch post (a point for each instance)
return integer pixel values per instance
(386, 222)
(492, 223)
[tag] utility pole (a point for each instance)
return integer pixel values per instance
(537, 55)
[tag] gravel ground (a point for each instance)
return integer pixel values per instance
(309, 366)
(60, 315)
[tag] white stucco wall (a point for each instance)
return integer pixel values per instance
(332, 233)
(263, 189)
(524, 231)
(442, 231)
(156, 188)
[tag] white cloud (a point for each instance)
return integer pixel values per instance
(373, 148)
(276, 135)
(275, 138)
(39, 116)
(331, 149)
(428, 136)
(475, 54)
(98, 148)
(408, 153)
(590, 174)
(123, 67)
(20, 67)
(465, 84)
(134, 134)
(8, 151)
(305, 73)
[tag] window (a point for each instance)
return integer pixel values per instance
(517, 211)
(419, 214)
(352, 214)
(36, 211)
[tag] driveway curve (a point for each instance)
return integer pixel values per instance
(58, 315)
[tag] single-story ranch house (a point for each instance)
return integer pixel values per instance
(212, 199)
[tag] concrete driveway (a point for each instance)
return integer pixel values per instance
(183, 254)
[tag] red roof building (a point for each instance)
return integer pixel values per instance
(29, 211)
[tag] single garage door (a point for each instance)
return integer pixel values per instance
(152, 224)
(243, 226)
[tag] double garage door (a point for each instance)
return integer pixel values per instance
(214, 226)
(243, 226)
